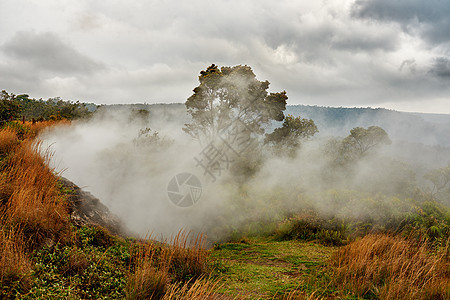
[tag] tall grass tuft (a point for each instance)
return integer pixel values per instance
(389, 267)
(15, 267)
(8, 141)
(188, 256)
(199, 289)
(148, 275)
(156, 266)
(147, 282)
(35, 204)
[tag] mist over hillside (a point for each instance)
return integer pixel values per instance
(126, 155)
(428, 129)
(422, 140)
(417, 128)
(419, 139)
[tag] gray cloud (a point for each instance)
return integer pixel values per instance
(441, 67)
(324, 53)
(434, 15)
(46, 52)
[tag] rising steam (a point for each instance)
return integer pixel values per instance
(129, 172)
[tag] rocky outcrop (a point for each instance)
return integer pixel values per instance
(85, 209)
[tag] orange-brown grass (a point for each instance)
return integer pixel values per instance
(15, 266)
(8, 141)
(390, 267)
(35, 203)
(188, 256)
(147, 282)
(159, 267)
(38, 127)
(32, 209)
(199, 289)
(150, 276)
(31, 130)
(296, 294)
(6, 190)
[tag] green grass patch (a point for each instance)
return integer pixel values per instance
(263, 268)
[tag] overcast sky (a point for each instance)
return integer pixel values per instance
(379, 53)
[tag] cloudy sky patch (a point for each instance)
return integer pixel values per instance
(394, 54)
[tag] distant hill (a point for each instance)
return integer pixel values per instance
(427, 129)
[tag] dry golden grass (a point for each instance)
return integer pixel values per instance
(150, 276)
(147, 282)
(29, 196)
(29, 130)
(295, 294)
(15, 266)
(199, 289)
(8, 141)
(188, 257)
(6, 190)
(393, 268)
(39, 127)
(32, 210)
(157, 265)
(35, 204)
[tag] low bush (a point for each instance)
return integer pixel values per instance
(310, 226)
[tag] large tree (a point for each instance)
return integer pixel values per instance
(228, 94)
(9, 106)
(441, 183)
(361, 141)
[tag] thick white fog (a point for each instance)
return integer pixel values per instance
(104, 155)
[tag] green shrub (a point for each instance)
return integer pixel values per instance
(309, 227)
(80, 270)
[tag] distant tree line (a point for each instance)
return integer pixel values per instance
(19, 106)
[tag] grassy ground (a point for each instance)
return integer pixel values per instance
(377, 266)
(263, 268)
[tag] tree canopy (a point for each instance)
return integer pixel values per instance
(360, 141)
(54, 108)
(440, 178)
(229, 93)
(9, 107)
(293, 129)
